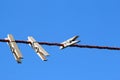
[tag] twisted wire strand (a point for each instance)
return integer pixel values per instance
(59, 44)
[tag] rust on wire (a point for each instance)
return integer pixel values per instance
(58, 44)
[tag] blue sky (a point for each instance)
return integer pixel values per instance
(97, 22)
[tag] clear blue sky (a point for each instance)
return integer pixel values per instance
(97, 22)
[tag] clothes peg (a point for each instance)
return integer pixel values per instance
(38, 48)
(14, 48)
(69, 42)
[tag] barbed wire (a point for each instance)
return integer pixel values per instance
(59, 44)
